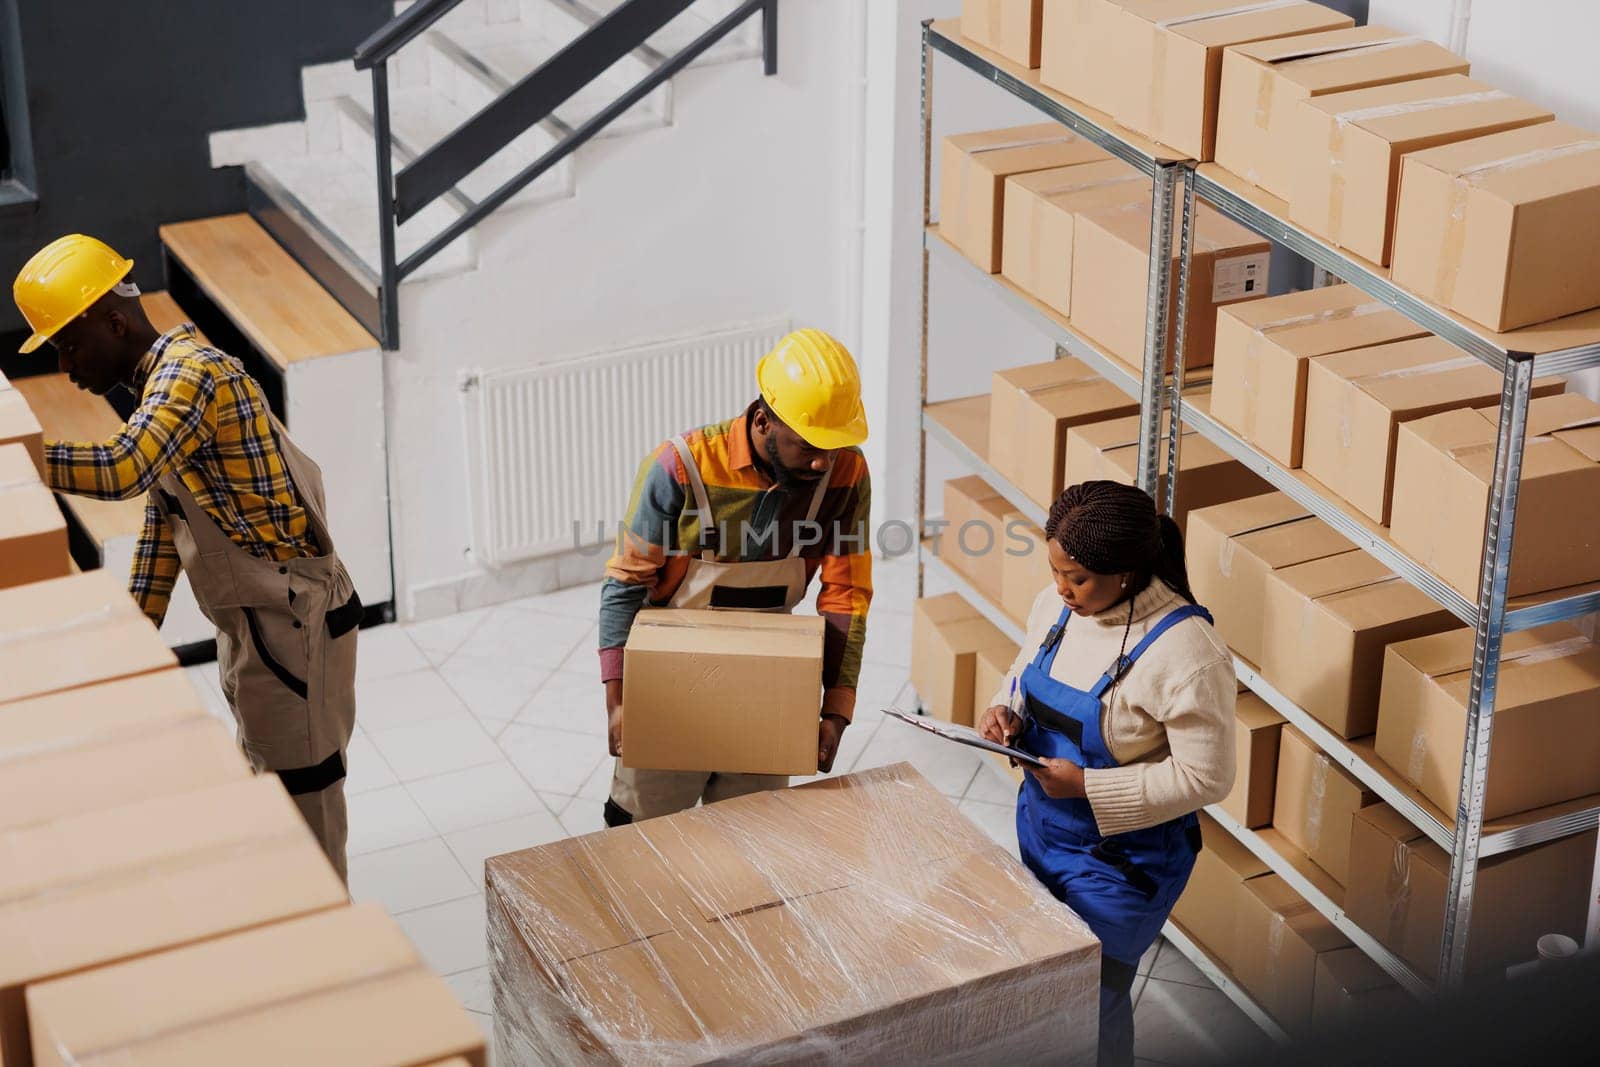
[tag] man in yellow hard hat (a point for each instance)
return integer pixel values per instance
(231, 500)
(791, 499)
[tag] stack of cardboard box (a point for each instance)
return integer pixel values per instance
(158, 902)
(947, 636)
(857, 919)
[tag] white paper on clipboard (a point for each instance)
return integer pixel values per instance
(962, 735)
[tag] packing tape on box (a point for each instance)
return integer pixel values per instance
(1158, 96)
(1252, 352)
(19, 484)
(1417, 757)
(1461, 186)
(1347, 398)
(1277, 924)
(99, 739)
(1344, 119)
(103, 614)
(1398, 893)
(125, 1046)
(1307, 56)
(1318, 795)
(1571, 646)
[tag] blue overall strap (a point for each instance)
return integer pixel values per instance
(1045, 658)
(1123, 663)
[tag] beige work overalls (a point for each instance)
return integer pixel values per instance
(286, 645)
(709, 583)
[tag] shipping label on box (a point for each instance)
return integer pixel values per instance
(1040, 220)
(1444, 467)
(33, 533)
(1348, 148)
(1111, 271)
(295, 992)
(1263, 82)
(928, 923)
(1258, 379)
(1356, 401)
(1325, 624)
(973, 172)
(1547, 735)
(733, 691)
(1168, 87)
(1315, 802)
(1231, 549)
(1008, 27)
(47, 629)
(1503, 229)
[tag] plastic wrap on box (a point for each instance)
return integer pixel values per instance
(859, 919)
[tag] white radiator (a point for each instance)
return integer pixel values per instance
(553, 449)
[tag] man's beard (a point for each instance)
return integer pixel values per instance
(787, 477)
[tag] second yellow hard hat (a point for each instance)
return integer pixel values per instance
(62, 281)
(811, 382)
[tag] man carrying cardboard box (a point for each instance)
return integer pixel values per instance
(791, 498)
(232, 502)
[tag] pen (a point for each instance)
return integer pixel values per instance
(1011, 705)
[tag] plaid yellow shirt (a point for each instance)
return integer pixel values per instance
(204, 419)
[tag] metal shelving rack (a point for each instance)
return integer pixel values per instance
(1520, 358)
(1150, 384)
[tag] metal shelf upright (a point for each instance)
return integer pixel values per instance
(1559, 348)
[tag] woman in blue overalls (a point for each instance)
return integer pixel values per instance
(1127, 693)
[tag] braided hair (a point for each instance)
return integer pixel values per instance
(1111, 528)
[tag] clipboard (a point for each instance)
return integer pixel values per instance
(963, 735)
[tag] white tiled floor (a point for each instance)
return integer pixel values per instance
(484, 733)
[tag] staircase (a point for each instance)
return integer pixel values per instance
(313, 184)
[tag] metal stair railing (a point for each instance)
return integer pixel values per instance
(435, 172)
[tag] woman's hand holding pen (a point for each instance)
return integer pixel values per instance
(999, 724)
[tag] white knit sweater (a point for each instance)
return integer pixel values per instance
(1168, 723)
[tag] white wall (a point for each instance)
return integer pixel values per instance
(737, 211)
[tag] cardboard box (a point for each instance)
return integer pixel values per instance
(1171, 52)
(1258, 380)
(989, 674)
(1399, 880)
(1073, 57)
(1346, 159)
(1503, 229)
(1208, 909)
(1546, 734)
(910, 938)
(47, 629)
(689, 685)
(1325, 624)
(947, 633)
(1281, 938)
(974, 541)
(1315, 802)
(1356, 401)
(1232, 548)
(1110, 450)
(1444, 467)
(1032, 409)
(110, 885)
(973, 172)
(1024, 569)
(1111, 278)
(1008, 27)
(1041, 218)
(342, 986)
(100, 746)
(19, 426)
(1256, 729)
(1262, 84)
(33, 534)
(1352, 993)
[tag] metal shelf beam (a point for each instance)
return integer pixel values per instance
(971, 460)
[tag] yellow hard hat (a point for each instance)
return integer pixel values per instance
(62, 281)
(812, 384)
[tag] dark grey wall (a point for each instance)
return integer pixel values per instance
(122, 95)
